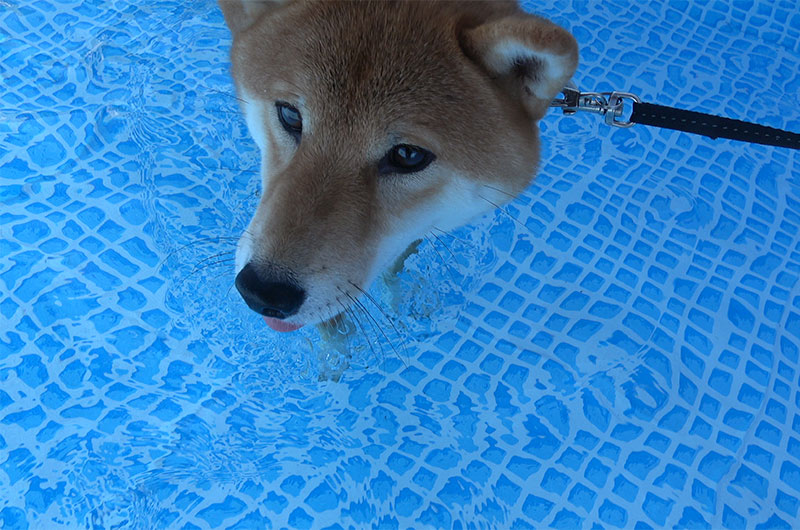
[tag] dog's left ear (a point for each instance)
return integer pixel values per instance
(240, 14)
(530, 57)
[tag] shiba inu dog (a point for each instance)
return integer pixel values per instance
(379, 121)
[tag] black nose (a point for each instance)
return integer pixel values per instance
(267, 294)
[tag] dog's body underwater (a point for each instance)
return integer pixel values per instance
(379, 121)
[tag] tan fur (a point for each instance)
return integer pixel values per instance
(367, 76)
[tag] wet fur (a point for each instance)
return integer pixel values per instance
(465, 80)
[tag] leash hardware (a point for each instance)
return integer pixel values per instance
(610, 104)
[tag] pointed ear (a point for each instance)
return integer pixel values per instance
(240, 14)
(529, 56)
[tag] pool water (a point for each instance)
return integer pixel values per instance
(617, 348)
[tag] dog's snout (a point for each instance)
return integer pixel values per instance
(268, 294)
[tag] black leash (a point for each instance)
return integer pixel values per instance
(611, 105)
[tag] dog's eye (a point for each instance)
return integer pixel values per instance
(405, 158)
(291, 119)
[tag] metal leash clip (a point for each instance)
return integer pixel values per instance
(610, 104)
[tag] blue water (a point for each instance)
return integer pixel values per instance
(618, 348)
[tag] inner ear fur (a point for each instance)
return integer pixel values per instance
(529, 56)
(241, 14)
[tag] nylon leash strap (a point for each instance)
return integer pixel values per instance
(612, 106)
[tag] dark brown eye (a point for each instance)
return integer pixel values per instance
(404, 158)
(291, 119)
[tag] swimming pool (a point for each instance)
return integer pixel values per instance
(617, 348)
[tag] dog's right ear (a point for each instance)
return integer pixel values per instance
(240, 14)
(529, 57)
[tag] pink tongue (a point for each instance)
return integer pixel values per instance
(280, 325)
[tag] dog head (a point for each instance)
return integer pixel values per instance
(378, 122)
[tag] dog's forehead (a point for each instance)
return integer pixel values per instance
(384, 51)
(367, 56)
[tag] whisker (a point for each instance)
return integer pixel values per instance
(236, 169)
(227, 252)
(373, 324)
(246, 199)
(222, 111)
(228, 292)
(349, 313)
(195, 242)
(354, 317)
(218, 276)
(446, 247)
(205, 262)
(444, 232)
(504, 192)
(508, 214)
(198, 269)
(237, 98)
(341, 324)
(376, 304)
(357, 306)
(385, 316)
(444, 262)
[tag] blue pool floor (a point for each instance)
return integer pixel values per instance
(617, 348)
